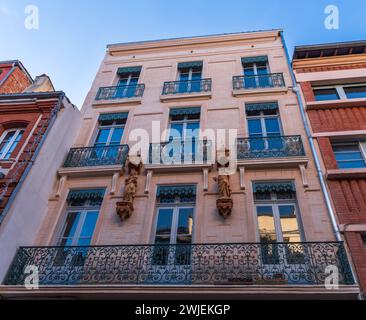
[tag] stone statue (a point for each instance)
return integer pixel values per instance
(125, 207)
(224, 186)
(224, 203)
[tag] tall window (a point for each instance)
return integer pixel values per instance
(190, 75)
(174, 224)
(277, 216)
(350, 154)
(81, 217)
(183, 129)
(336, 92)
(110, 129)
(9, 140)
(255, 71)
(128, 79)
(264, 126)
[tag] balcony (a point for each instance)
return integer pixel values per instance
(96, 156)
(180, 155)
(243, 264)
(275, 150)
(120, 94)
(257, 84)
(176, 90)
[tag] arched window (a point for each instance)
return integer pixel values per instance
(9, 140)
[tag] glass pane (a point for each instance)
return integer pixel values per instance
(254, 126)
(325, 94)
(355, 92)
(5, 142)
(272, 125)
(117, 135)
(84, 241)
(102, 136)
(351, 164)
(71, 224)
(185, 221)
(289, 225)
(176, 131)
(14, 144)
(164, 224)
(192, 129)
(266, 224)
(345, 147)
(89, 224)
(348, 155)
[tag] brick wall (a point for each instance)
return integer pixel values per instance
(338, 119)
(16, 82)
(358, 252)
(307, 91)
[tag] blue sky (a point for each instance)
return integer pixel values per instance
(70, 42)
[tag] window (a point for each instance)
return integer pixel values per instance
(326, 94)
(128, 79)
(184, 127)
(82, 215)
(264, 126)
(276, 209)
(350, 154)
(110, 131)
(190, 75)
(336, 92)
(355, 92)
(9, 140)
(256, 70)
(174, 225)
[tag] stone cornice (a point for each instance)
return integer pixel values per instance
(119, 48)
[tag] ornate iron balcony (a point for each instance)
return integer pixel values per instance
(269, 80)
(269, 147)
(180, 152)
(190, 86)
(97, 156)
(120, 92)
(303, 263)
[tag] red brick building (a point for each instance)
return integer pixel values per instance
(14, 77)
(333, 82)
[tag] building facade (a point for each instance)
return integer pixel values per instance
(146, 205)
(333, 82)
(37, 125)
(13, 77)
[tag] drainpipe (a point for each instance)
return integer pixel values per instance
(328, 202)
(30, 164)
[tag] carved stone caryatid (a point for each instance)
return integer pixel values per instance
(224, 203)
(125, 207)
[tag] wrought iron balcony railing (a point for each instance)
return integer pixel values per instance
(269, 80)
(269, 147)
(97, 156)
(180, 152)
(303, 263)
(189, 86)
(120, 92)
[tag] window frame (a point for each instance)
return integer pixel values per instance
(83, 210)
(262, 117)
(361, 147)
(112, 126)
(185, 123)
(274, 203)
(176, 206)
(9, 145)
(339, 90)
